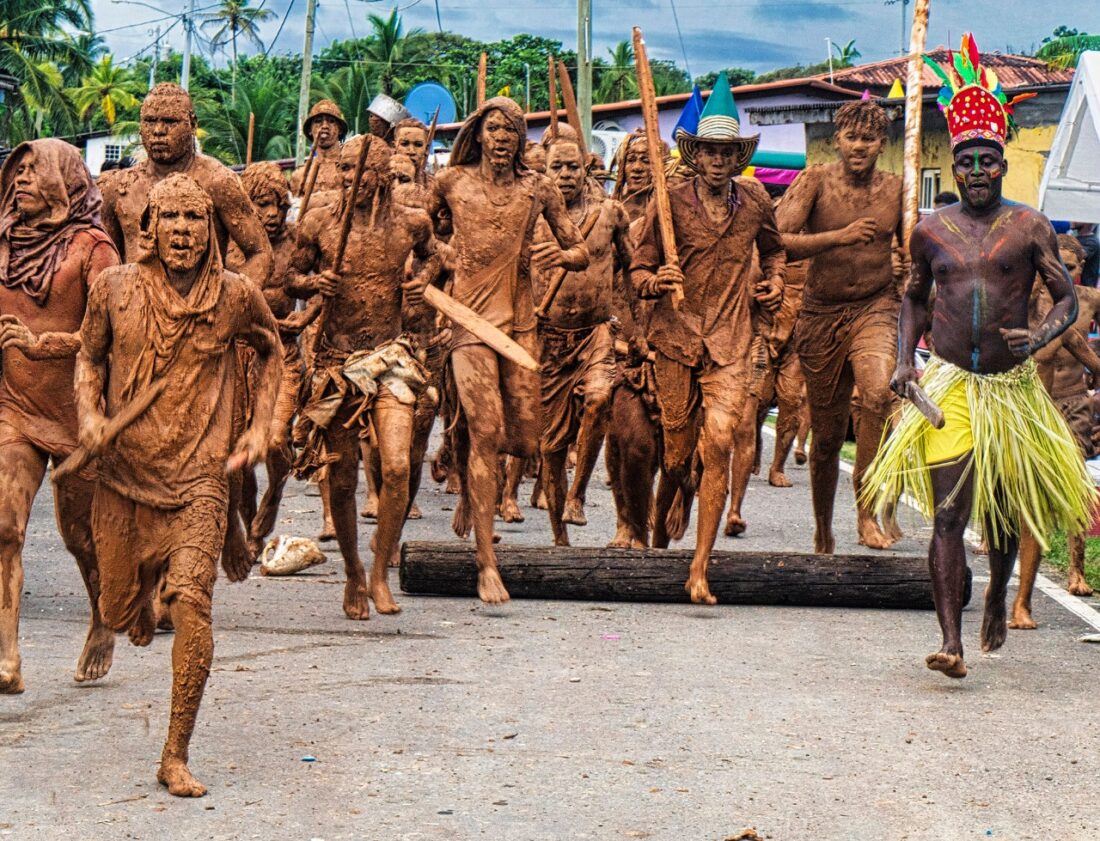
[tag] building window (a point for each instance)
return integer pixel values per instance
(112, 153)
(929, 187)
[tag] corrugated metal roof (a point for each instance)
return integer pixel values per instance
(1014, 71)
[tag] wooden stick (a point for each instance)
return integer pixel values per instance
(551, 74)
(571, 112)
(482, 73)
(251, 137)
(491, 335)
(648, 95)
(559, 277)
(431, 128)
(80, 457)
(311, 180)
(914, 91)
(932, 413)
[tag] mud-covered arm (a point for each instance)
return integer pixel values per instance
(300, 280)
(108, 187)
(574, 252)
(623, 245)
(794, 214)
(245, 229)
(1054, 276)
(91, 368)
(914, 312)
(259, 330)
(431, 267)
(648, 257)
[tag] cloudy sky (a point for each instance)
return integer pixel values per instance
(759, 34)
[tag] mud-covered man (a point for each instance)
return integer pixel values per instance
(325, 127)
(170, 323)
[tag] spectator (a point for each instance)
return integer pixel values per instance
(1086, 236)
(944, 199)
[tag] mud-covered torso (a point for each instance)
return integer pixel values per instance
(849, 272)
(328, 173)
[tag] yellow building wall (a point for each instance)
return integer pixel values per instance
(1026, 155)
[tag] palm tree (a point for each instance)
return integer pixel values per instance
(618, 82)
(105, 91)
(226, 124)
(847, 54)
(1061, 50)
(350, 88)
(390, 48)
(235, 19)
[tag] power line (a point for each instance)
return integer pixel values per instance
(271, 46)
(680, 35)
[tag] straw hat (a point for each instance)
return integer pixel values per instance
(719, 123)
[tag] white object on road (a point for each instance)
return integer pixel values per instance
(287, 555)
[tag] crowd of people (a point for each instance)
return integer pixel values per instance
(169, 329)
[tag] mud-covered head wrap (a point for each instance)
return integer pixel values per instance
(31, 253)
(467, 148)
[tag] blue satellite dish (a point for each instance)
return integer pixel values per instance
(424, 98)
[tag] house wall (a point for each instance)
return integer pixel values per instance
(95, 150)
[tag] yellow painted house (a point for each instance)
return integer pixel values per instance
(1026, 152)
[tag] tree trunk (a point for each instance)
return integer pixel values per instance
(653, 575)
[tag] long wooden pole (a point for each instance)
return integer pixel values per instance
(551, 76)
(559, 277)
(312, 170)
(482, 73)
(251, 138)
(914, 92)
(648, 95)
(571, 112)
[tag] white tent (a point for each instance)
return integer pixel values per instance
(1071, 180)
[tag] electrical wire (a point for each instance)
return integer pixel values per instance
(680, 35)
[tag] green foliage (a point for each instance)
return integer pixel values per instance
(224, 119)
(1063, 48)
(797, 71)
(104, 92)
(737, 76)
(1058, 557)
(617, 81)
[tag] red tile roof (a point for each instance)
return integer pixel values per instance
(1014, 71)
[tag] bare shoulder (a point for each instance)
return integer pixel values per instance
(446, 178)
(110, 281)
(210, 172)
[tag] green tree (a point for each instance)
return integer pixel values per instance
(350, 88)
(1063, 48)
(391, 52)
(669, 78)
(847, 54)
(232, 20)
(223, 121)
(617, 81)
(106, 90)
(736, 75)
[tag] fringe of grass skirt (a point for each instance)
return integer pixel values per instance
(1026, 465)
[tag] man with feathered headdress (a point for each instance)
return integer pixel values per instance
(1004, 456)
(493, 201)
(52, 250)
(165, 330)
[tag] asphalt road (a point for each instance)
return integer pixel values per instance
(554, 720)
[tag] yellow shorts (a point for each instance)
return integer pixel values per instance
(956, 438)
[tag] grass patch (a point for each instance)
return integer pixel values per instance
(1058, 557)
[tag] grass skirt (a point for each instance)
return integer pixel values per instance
(1026, 466)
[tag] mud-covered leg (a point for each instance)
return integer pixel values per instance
(716, 445)
(278, 470)
(393, 423)
(554, 479)
(1002, 557)
(593, 429)
(1030, 556)
(341, 483)
(947, 563)
(741, 462)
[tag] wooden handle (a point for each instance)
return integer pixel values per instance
(313, 166)
(571, 112)
(914, 91)
(551, 74)
(648, 96)
(482, 73)
(559, 276)
(345, 223)
(251, 137)
(933, 413)
(491, 335)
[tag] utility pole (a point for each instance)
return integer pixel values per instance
(527, 85)
(829, 48)
(307, 69)
(156, 59)
(584, 68)
(188, 28)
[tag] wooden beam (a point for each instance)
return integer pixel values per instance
(656, 575)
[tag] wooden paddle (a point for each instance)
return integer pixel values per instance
(572, 115)
(551, 73)
(648, 95)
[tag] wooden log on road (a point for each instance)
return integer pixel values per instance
(656, 575)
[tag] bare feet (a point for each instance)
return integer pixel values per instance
(538, 499)
(778, 479)
(622, 539)
(383, 599)
(509, 511)
(1021, 619)
(356, 600)
(870, 535)
(800, 456)
(415, 512)
(236, 560)
(574, 512)
(141, 632)
(11, 679)
(490, 588)
(175, 774)
(328, 531)
(370, 508)
(824, 543)
(951, 665)
(994, 627)
(891, 529)
(453, 485)
(95, 660)
(735, 525)
(699, 591)
(1077, 586)
(460, 522)
(676, 521)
